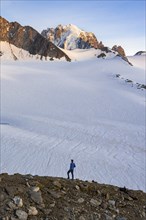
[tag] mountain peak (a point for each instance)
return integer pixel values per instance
(71, 37)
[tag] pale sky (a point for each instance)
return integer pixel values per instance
(120, 22)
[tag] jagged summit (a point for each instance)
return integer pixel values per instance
(71, 37)
(46, 45)
(72, 27)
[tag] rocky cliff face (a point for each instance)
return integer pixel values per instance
(71, 37)
(120, 50)
(121, 53)
(28, 39)
(27, 197)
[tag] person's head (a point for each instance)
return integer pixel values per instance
(72, 160)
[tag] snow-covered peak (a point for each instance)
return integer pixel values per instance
(71, 37)
(73, 28)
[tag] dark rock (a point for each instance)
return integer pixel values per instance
(102, 55)
(36, 197)
(55, 194)
(28, 39)
(107, 217)
(143, 86)
(140, 53)
(106, 49)
(3, 196)
(10, 191)
(11, 205)
(57, 183)
(121, 218)
(47, 211)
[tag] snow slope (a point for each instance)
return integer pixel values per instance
(52, 112)
(87, 54)
(138, 60)
(11, 52)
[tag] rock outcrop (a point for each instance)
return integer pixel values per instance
(140, 53)
(71, 37)
(27, 197)
(28, 39)
(120, 50)
(121, 53)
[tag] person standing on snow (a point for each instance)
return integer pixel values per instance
(71, 169)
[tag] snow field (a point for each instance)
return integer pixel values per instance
(52, 112)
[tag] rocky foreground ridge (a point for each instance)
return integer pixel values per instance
(27, 38)
(46, 198)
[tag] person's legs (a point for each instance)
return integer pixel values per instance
(68, 174)
(72, 173)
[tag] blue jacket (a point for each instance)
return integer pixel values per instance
(72, 166)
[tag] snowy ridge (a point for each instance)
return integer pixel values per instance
(138, 61)
(52, 112)
(11, 52)
(87, 54)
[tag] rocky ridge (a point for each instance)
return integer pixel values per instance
(70, 37)
(47, 46)
(29, 39)
(27, 197)
(140, 53)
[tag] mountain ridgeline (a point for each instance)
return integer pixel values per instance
(49, 44)
(29, 39)
(71, 37)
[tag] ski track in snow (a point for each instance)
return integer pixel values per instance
(53, 112)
